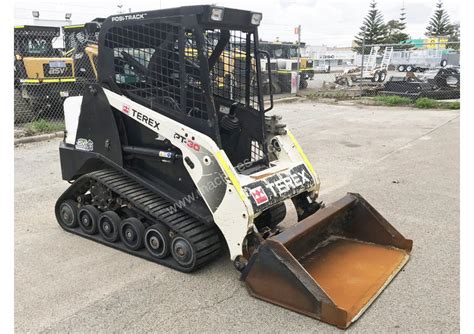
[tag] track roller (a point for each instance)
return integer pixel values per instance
(183, 252)
(131, 233)
(87, 217)
(68, 213)
(109, 225)
(157, 241)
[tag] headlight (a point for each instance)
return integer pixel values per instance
(256, 18)
(217, 14)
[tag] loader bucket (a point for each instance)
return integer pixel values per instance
(331, 265)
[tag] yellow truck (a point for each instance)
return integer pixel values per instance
(44, 77)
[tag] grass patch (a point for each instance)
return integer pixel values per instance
(426, 103)
(42, 126)
(451, 105)
(421, 103)
(393, 100)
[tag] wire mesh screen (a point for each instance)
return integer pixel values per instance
(234, 73)
(159, 64)
(149, 65)
(81, 46)
(195, 102)
(256, 151)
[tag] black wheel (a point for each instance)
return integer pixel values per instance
(183, 252)
(109, 224)
(22, 109)
(382, 75)
(409, 68)
(276, 89)
(87, 217)
(303, 83)
(401, 68)
(68, 213)
(443, 63)
(131, 233)
(376, 76)
(157, 241)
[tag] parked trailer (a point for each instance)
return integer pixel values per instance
(422, 60)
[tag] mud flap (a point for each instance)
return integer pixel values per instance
(331, 265)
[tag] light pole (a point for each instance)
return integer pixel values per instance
(363, 53)
(298, 60)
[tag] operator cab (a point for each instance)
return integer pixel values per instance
(197, 65)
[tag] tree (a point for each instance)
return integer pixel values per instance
(439, 24)
(402, 19)
(455, 36)
(394, 33)
(373, 28)
(395, 29)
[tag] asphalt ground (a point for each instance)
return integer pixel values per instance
(405, 162)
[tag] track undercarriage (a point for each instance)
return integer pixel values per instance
(108, 207)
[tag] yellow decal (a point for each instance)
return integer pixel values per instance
(231, 175)
(46, 80)
(72, 27)
(300, 151)
(29, 80)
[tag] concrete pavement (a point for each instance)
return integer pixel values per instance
(405, 162)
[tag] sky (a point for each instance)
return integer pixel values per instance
(323, 22)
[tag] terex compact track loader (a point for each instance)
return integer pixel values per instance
(167, 165)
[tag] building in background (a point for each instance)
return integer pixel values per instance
(336, 57)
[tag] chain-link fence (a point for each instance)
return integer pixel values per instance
(49, 66)
(419, 69)
(53, 63)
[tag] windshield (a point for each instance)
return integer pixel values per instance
(293, 52)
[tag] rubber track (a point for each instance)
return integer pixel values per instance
(204, 238)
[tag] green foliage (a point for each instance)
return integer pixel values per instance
(42, 126)
(422, 102)
(455, 36)
(394, 32)
(373, 28)
(395, 29)
(393, 100)
(454, 105)
(426, 103)
(439, 23)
